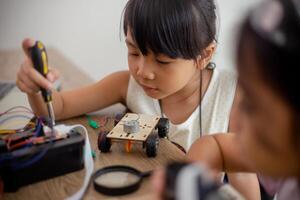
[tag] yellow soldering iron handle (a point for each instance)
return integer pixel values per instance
(40, 62)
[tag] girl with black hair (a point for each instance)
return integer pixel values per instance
(269, 142)
(170, 45)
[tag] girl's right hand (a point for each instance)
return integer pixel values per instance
(30, 80)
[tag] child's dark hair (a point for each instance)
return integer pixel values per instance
(278, 65)
(176, 28)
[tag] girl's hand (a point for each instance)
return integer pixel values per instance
(158, 183)
(28, 79)
(158, 179)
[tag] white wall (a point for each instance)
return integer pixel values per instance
(231, 13)
(87, 32)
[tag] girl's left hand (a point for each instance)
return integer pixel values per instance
(158, 183)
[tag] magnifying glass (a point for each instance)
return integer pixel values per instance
(118, 180)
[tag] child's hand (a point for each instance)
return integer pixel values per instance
(159, 179)
(158, 183)
(28, 79)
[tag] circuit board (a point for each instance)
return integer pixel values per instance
(147, 124)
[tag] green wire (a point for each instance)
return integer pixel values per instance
(92, 123)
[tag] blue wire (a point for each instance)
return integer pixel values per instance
(38, 129)
(34, 159)
(8, 156)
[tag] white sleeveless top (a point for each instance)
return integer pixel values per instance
(216, 107)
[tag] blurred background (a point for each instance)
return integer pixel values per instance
(88, 32)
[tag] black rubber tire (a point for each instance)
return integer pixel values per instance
(116, 122)
(151, 145)
(104, 143)
(163, 126)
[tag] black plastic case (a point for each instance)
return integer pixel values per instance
(63, 156)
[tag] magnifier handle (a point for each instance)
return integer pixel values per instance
(146, 174)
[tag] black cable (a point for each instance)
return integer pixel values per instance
(200, 102)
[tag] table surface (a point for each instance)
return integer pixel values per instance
(64, 186)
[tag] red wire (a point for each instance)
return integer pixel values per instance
(19, 144)
(103, 121)
(26, 141)
(17, 107)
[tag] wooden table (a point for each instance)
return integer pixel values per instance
(64, 186)
(10, 62)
